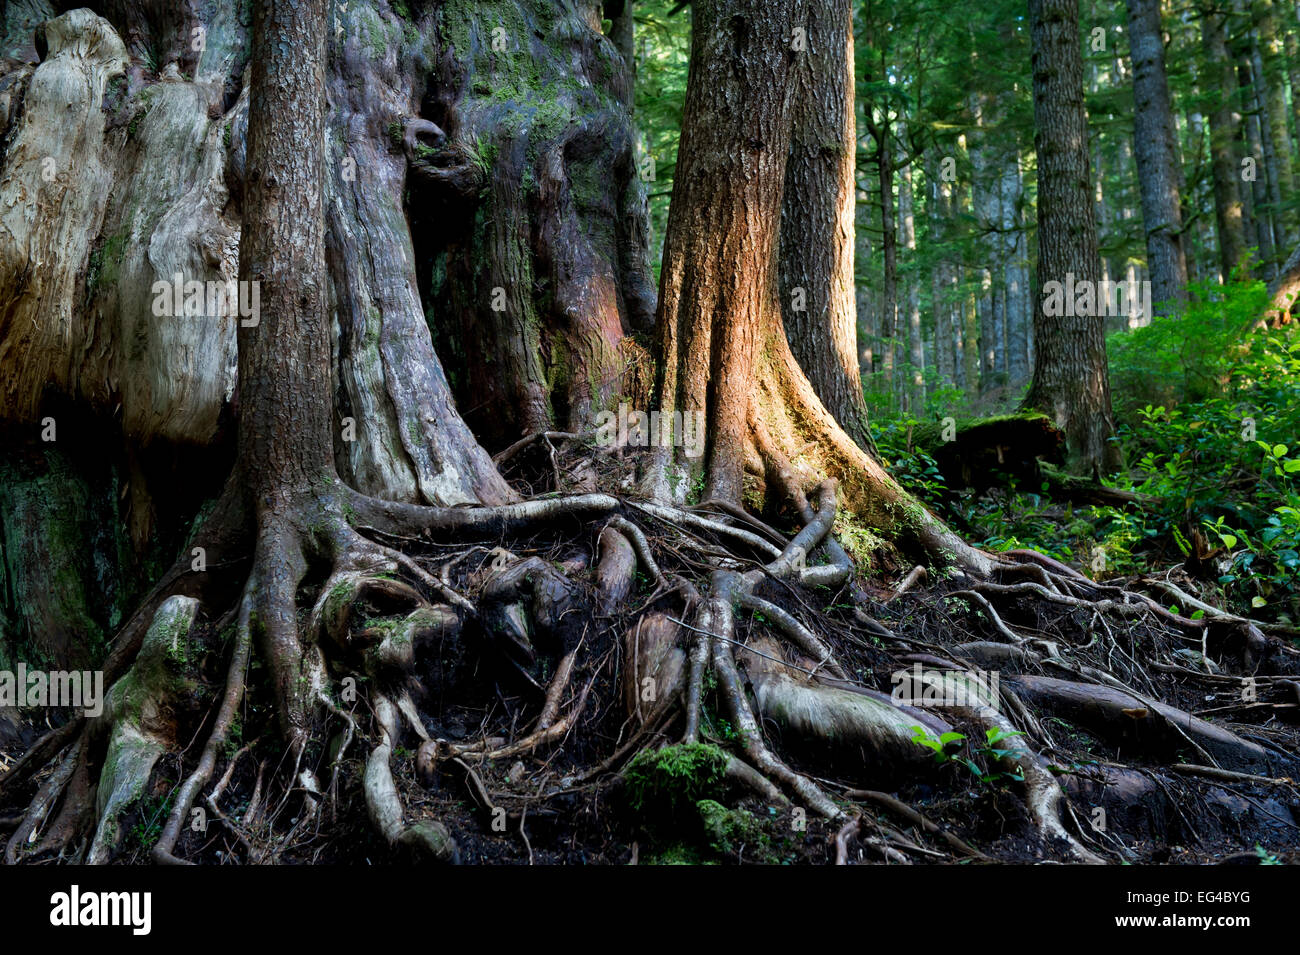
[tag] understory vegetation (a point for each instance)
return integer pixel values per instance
(1208, 407)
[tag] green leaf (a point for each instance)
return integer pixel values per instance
(1257, 601)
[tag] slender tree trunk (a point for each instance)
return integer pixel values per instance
(1289, 13)
(914, 389)
(1070, 380)
(1272, 88)
(818, 305)
(1257, 222)
(1154, 148)
(1016, 258)
(285, 440)
(984, 201)
(889, 249)
(1218, 84)
(939, 213)
(1198, 203)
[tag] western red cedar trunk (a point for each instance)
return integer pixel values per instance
(1070, 380)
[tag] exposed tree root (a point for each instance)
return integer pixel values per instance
(781, 680)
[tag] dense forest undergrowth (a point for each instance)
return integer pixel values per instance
(1208, 408)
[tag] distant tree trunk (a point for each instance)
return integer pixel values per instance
(966, 357)
(1218, 84)
(1070, 381)
(984, 202)
(1256, 205)
(1201, 245)
(889, 248)
(1154, 148)
(970, 348)
(1291, 20)
(867, 294)
(939, 211)
(1272, 82)
(818, 305)
(1272, 163)
(1016, 259)
(914, 387)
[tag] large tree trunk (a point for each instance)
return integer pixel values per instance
(536, 98)
(1071, 381)
(722, 349)
(1157, 162)
(817, 221)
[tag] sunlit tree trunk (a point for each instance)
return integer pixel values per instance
(818, 305)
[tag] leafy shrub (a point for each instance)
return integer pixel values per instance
(1188, 355)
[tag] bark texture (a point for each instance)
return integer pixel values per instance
(1154, 149)
(724, 353)
(543, 268)
(1218, 84)
(818, 305)
(1070, 381)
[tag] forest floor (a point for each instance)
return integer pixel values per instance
(557, 805)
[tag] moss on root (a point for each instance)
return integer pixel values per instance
(663, 782)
